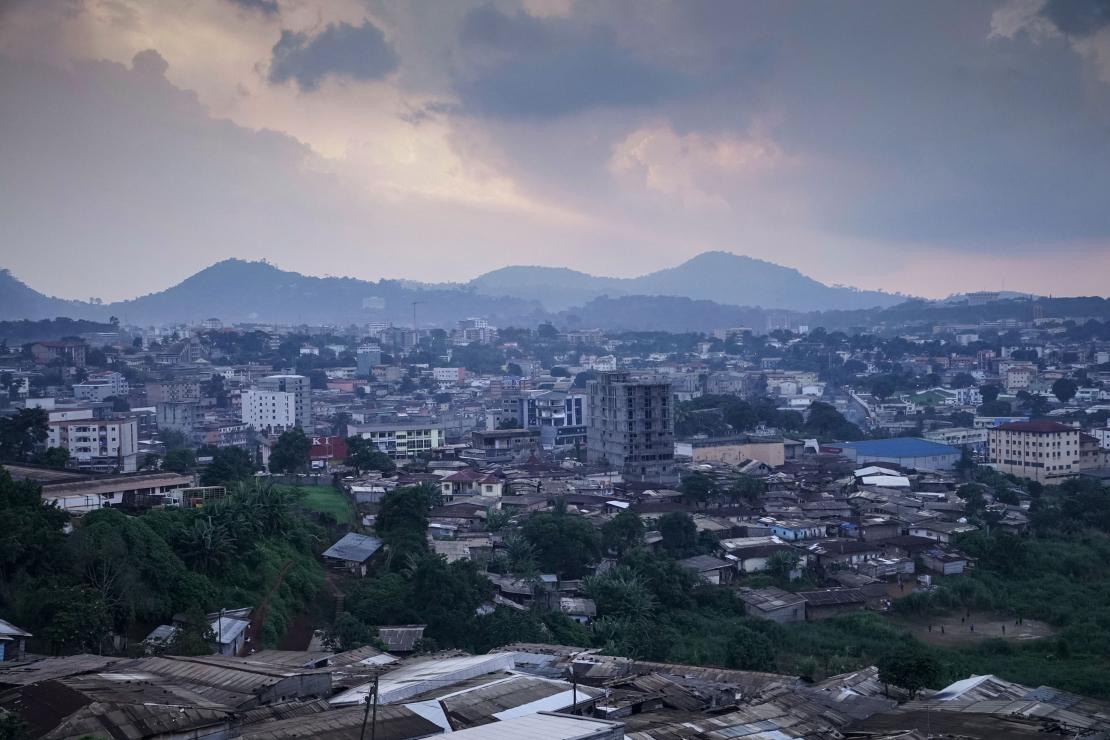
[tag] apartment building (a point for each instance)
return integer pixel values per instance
(172, 392)
(101, 386)
(67, 351)
(1044, 451)
(277, 403)
(179, 416)
(98, 445)
(560, 416)
(631, 427)
(402, 439)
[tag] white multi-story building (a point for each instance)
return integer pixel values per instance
(402, 439)
(100, 445)
(277, 403)
(101, 386)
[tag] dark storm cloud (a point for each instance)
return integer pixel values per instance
(267, 7)
(342, 50)
(548, 67)
(1078, 18)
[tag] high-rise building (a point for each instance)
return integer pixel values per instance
(279, 402)
(631, 427)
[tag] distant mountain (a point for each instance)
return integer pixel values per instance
(240, 291)
(20, 301)
(722, 277)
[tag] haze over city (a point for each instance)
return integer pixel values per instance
(924, 148)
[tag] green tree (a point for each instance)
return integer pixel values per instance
(749, 650)
(180, 460)
(910, 666)
(402, 522)
(21, 433)
(290, 452)
(1064, 389)
(119, 404)
(621, 593)
(697, 488)
(565, 544)
(990, 392)
(622, 532)
(348, 633)
(363, 455)
(53, 457)
(781, 564)
(229, 465)
(679, 533)
(747, 489)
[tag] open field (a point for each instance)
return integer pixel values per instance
(950, 631)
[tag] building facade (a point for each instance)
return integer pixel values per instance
(278, 402)
(1044, 451)
(101, 386)
(402, 439)
(99, 445)
(560, 416)
(631, 427)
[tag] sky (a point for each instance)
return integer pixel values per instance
(922, 147)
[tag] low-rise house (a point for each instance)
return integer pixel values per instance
(798, 529)
(832, 602)
(353, 552)
(714, 570)
(944, 563)
(942, 532)
(843, 553)
(581, 610)
(751, 554)
(773, 604)
(471, 482)
(13, 641)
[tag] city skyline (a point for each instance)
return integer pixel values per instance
(928, 150)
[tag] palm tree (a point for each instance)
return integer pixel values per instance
(207, 545)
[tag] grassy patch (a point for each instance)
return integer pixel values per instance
(328, 500)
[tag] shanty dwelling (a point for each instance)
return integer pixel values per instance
(13, 641)
(940, 531)
(773, 604)
(751, 554)
(353, 552)
(944, 563)
(230, 627)
(579, 609)
(832, 602)
(714, 570)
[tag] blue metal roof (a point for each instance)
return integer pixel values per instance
(900, 447)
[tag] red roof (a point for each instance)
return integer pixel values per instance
(1037, 427)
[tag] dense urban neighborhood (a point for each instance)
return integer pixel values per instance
(377, 530)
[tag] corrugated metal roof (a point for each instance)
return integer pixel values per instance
(354, 548)
(393, 723)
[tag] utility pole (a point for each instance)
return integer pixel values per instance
(373, 719)
(414, 305)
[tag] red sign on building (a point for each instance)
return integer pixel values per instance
(328, 448)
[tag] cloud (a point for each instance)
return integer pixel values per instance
(149, 63)
(341, 50)
(266, 7)
(699, 170)
(541, 67)
(1078, 18)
